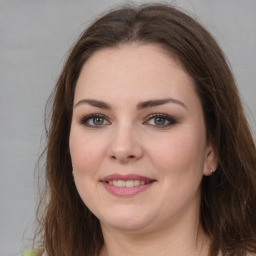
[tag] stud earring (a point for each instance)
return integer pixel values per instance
(211, 171)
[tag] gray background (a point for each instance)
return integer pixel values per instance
(34, 38)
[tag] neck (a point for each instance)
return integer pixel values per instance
(191, 242)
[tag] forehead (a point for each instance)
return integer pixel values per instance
(133, 70)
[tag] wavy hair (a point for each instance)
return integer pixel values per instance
(228, 199)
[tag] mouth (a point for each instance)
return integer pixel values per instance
(126, 185)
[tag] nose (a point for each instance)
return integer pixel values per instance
(124, 145)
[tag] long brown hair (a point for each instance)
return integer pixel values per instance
(228, 205)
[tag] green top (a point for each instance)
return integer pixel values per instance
(28, 253)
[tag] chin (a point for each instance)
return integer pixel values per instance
(126, 220)
(128, 226)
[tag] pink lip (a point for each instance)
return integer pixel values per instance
(126, 191)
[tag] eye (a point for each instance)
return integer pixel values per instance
(160, 120)
(94, 121)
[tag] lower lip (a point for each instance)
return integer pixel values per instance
(126, 191)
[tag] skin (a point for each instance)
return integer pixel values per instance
(128, 140)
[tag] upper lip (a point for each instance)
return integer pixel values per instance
(126, 177)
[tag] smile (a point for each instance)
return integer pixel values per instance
(127, 183)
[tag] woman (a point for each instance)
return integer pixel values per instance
(149, 151)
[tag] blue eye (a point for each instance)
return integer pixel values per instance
(161, 120)
(95, 121)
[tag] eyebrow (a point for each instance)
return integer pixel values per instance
(140, 106)
(158, 102)
(94, 103)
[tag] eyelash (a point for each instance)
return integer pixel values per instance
(85, 120)
(166, 118)
(171, 121)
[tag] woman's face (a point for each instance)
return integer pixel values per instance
(138, 139)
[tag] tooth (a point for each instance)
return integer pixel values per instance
(129, 183)
(136, 182)
(121, 183)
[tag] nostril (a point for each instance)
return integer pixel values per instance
(123, 158)
(124, 152)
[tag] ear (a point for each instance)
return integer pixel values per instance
(210, 161)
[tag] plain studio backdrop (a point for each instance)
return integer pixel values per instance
(35, 36)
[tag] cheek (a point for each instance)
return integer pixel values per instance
(86, 157)
(86, 152)
(183, 152)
